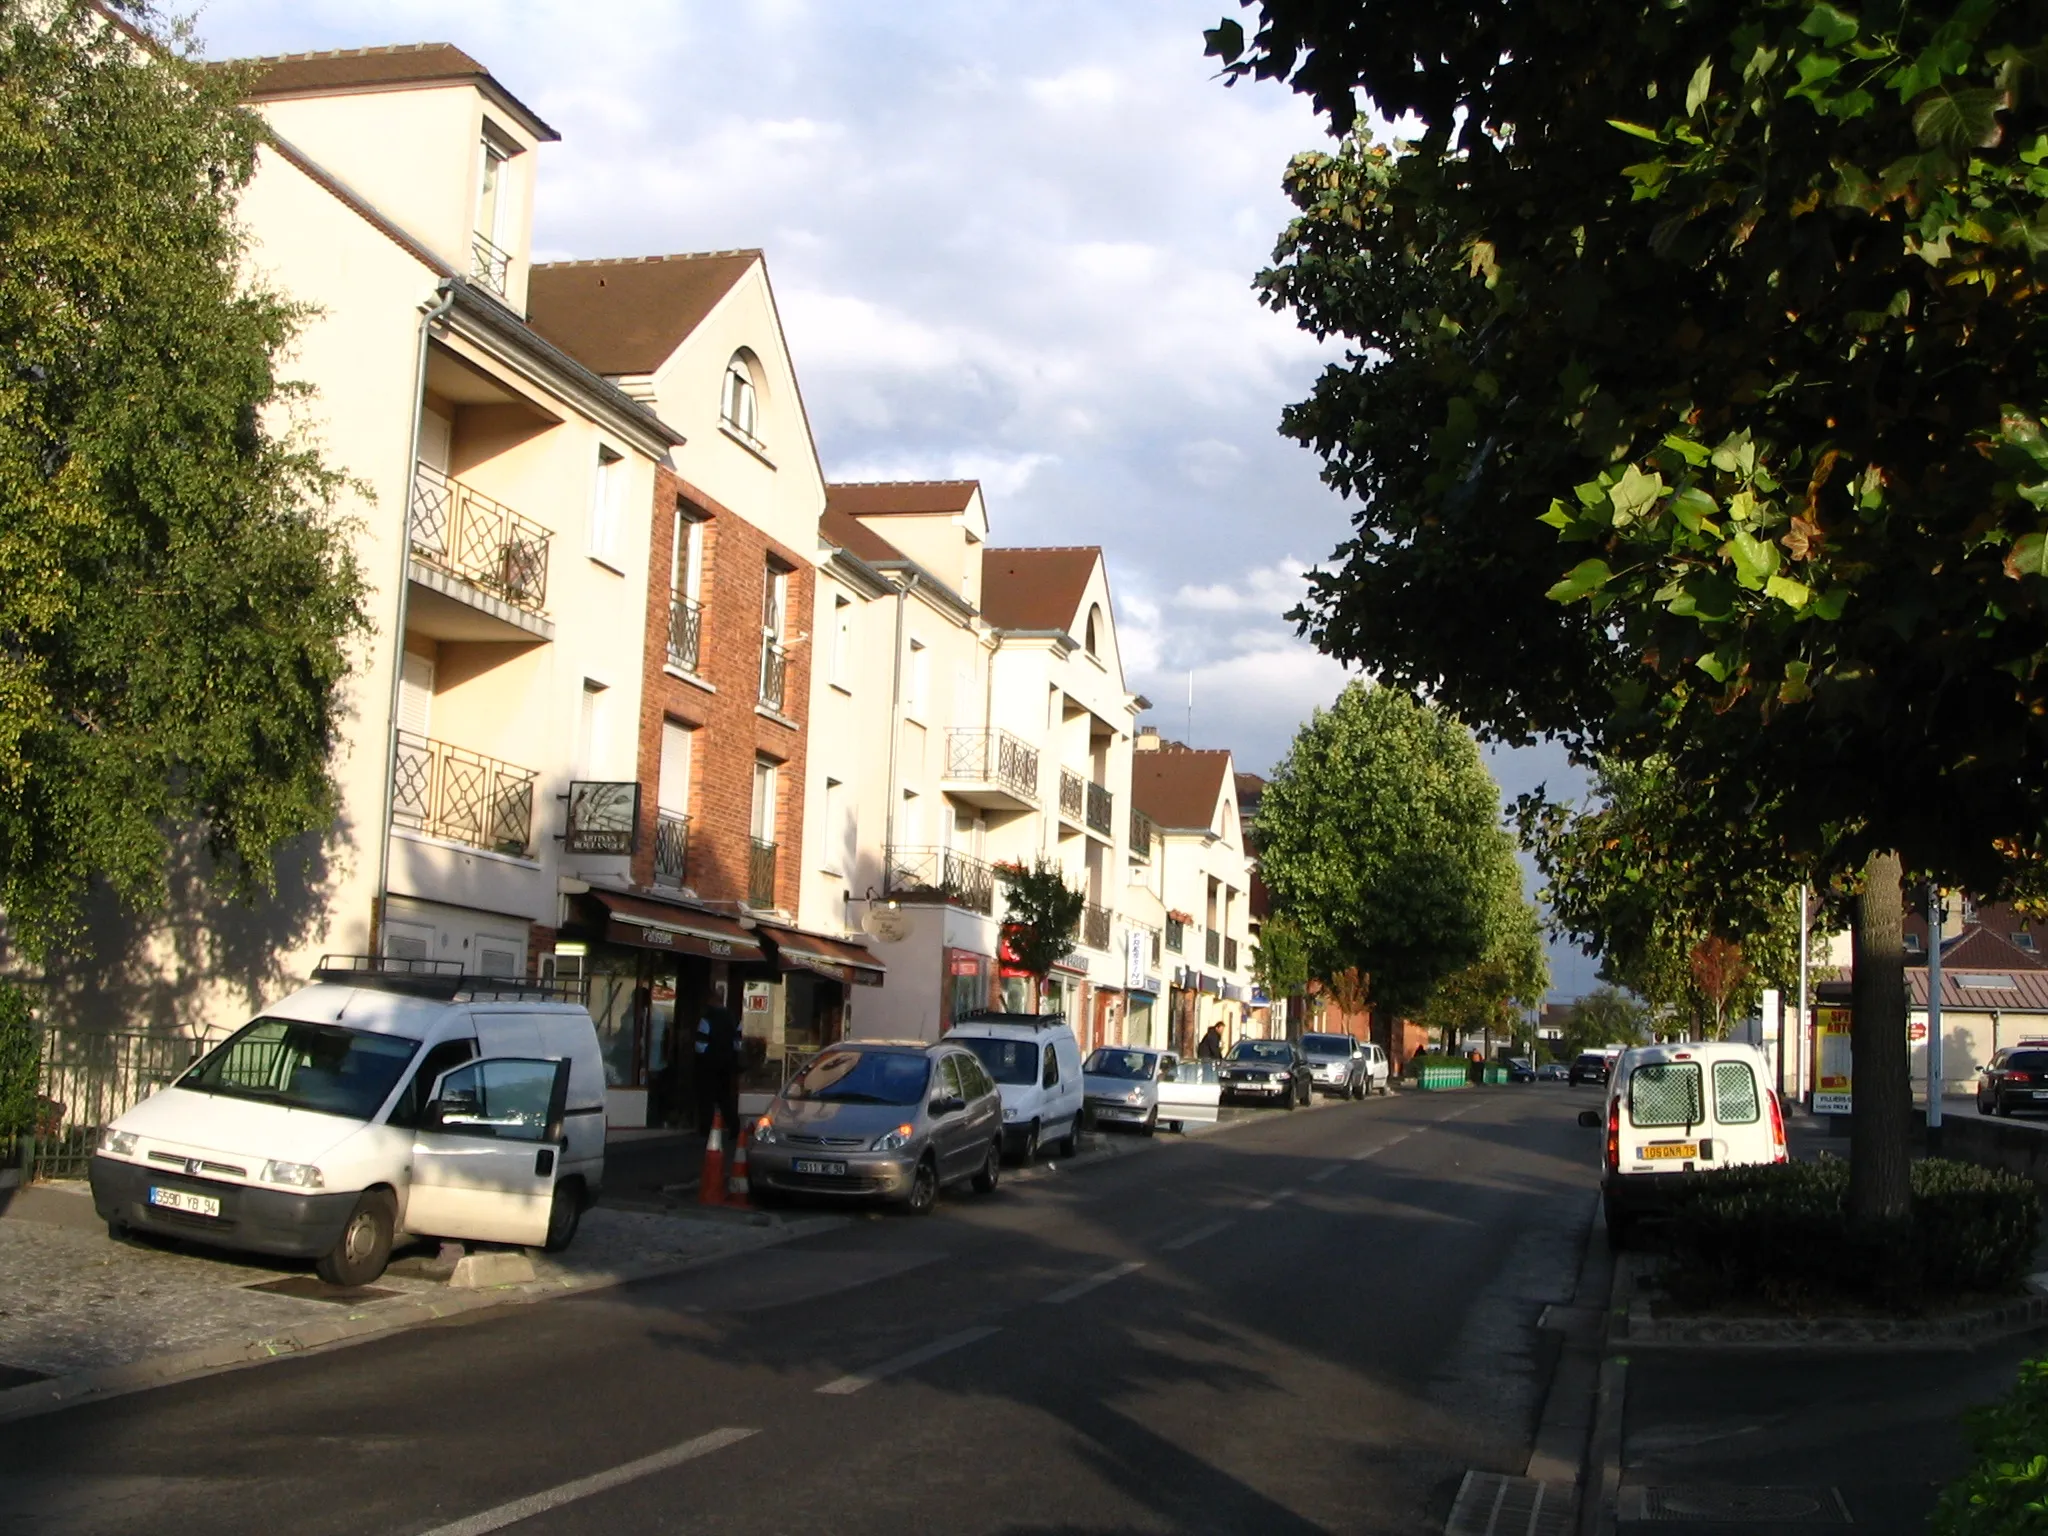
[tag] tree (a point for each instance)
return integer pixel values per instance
(1603, 1017)
(1380, 838)
(1041, 915)
(176, 603)
(1495, 992)
(1280, 958)
(1739, 299)
(1718, 971)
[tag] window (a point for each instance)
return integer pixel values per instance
(976, 1081)
(672, 794)
(416, 695)
(1666, 1093)
(445, 1057)
(842, 642)
(1092, 636)
(297, 1065)
(1913, 943)
(764, 800)
(503, 1098)
(607, 504)
(949, 1085)
(590, 729)
(910, 824)
(1735, 1096)
(490, 262)
(686, 555)
(2023, 940)
(917, 686)
(738, 407)
(1052, 1068)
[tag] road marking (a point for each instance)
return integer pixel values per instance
(1359, 1157)
(1080, 1288)
(1326, 1173)
(1272, 1200)
(568, 1493)
(846, 1386)
(1200, 1234)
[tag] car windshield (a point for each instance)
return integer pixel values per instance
(1008, 1061)
(2028, 1061)
(1109, 1062)
(321, 1067)
(862, 1077)
(1326, 1045)
(1262, 1050)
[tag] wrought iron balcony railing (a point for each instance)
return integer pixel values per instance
(464, 796)
(1073, 794)
(489, 264)
(1176, 934)
(1212, 947)
(464, 532)
(774, 672)
(761, 874)
(685, 631)
(1142, 832)
(671, 848)
(1230, 954)
(1101, 810)
(1095, 926)
(939, 875)
(993, 757)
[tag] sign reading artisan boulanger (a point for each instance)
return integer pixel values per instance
(603, 818)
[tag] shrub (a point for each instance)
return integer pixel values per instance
(1780, 1234)
(2006, 1492)
(21, 1056)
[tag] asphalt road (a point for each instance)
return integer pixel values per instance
(1316, 1322)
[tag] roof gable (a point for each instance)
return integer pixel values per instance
(1179, 787)
(1036, 589)
(855, 537)
(863, 498)
(400, 66)
(629, 316)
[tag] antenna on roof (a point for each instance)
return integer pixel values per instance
(1191, 706)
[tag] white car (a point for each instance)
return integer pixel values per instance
(1337, 1063)
(1192, 1096)
(388, 1097)
(1122, 1084)
(1036, 1062)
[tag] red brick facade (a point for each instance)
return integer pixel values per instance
(732, 729)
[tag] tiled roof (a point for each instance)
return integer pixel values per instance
(1035, 589)
(1178, 787)
(357, 69)
(1981, 949)
(2010, 990)
(854, 536)
(629, 316)
(896, 498)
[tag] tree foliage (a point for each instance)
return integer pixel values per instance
(1496, 991)
(1380, 837)
(175, 601)
(1605, 1016)
(1280, 958)
(1041, 915)
(21, 1060)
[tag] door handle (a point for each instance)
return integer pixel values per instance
(543, 1162)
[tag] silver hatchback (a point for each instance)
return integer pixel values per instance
(881, 1119)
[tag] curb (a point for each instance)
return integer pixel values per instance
(40, 1397)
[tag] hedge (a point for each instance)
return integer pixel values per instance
(21, 1053)
(1780, 1234)
(2006, 1492)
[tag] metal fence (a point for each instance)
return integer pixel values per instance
(452, 792)
(685, 632)
(89, 1078)
(761, 874)
(993, 757)
(468, 534)
(939, 875)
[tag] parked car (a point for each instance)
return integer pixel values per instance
(1337, 1065)
(388, 1097)
(1122, 1085)
(1521, 1070)
(1193, 1094)
(2015, 1078)
(1681, 1109)
(1553, 1072)
(1590, 1067)
(1036, 1062)
(1267, 1069)
(881, 1119)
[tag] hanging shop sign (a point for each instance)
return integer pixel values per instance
(603, 818)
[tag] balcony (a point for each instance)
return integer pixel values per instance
(1142, 832)
(761, 874)
(685, 632)
(490, 266)
(1230, 954)
(1073, 795)
(1212, 947)
(774, 672)
(1101, 811)
(991, 769)
(1095, 926)
(1176, 935)
(476, 551)
(939, 877)
(452, 792)
(1151, 941)
(671, 848)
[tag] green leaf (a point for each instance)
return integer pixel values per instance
(2028, 556)
(1713, 666)
(1832, 26)
(1692, 451)
(1635, 494)
(1793, 594)
(1959, 121)
(1755, 561)
(1558, 517)
(1637, 129)
(1224, 41)
(1693, 507)
(1702, 83)
(1587, 577)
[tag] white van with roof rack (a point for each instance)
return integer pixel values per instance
(1036, 1062)
(389, 1097)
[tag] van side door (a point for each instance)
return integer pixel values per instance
(488, 1151)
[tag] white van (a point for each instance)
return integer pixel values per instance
(1682, 1109)
(390, 1096)
(1036, 1062)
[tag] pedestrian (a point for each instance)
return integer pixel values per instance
(1211, 1048)
(719, 1045)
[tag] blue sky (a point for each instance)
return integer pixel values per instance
(1012, 241)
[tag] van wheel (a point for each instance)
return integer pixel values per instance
(364, 1248)
(924, 1190)
(1173, 1126)
(564, 1216)
(1028, 1152)
(991, 1170)
(1070, 1143)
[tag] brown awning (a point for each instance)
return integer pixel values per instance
(683, 930)
(842, 961)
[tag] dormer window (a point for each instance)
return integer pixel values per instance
(1094, 625)
(491, 263)
(739, 407)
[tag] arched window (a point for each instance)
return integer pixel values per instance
(738, 405)
(1094, 626)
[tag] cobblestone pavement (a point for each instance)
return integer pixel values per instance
(74, 1301)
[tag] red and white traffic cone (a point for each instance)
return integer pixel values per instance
(737, 1190)
(711, 1183)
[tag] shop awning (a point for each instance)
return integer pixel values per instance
(796, 950)
(682, 930)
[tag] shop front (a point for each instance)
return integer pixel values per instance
(818, 975)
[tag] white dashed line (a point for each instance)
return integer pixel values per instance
(567, 1493)
(846, 1386)
(1272, 1200)
(1200, 1234)
(1083, 1287)
(1326, 1173)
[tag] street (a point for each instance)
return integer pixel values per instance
(1316, 1321)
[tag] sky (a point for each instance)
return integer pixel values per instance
(1009, 241)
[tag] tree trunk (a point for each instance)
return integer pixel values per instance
(1879, 1181)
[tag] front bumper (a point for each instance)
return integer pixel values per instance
(868, 1176)
(1118, 1111)
(1335, 1082)
(273, 1221)
(1265, 1087)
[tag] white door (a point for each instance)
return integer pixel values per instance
(485, 1159)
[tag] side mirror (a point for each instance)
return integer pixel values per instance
(1590, 1119)
(944, 1105)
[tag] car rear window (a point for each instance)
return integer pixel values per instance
(1326, 1045)
(1666, 1093)
(1008, 1061)
(2028, 1061)
(1736, 1101)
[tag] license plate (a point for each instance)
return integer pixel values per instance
(1674, 1149)
(814, 1165)
(178, 1200)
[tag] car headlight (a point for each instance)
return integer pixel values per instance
(1010, 1113)
(119, 1143)
(765, 1133)
(300, 1175)
(889, 1141)
(1135, 1096)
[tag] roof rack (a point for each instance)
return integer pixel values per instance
(997, 1016)
(443, 980)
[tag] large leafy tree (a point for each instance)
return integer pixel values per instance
(175, 603)
(1693, 407)
(1495, 992)
(1041, 915)
(1380, 839)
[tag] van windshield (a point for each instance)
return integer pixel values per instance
(321, 1067)
(1008, 1061)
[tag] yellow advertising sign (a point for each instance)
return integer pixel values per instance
(1831, 1061)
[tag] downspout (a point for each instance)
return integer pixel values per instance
(438, 311)
(904, 587)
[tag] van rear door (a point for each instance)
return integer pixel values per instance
(488, 1152)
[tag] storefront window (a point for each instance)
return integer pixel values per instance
(611, 1008)
(1016, 994)
(966, 984)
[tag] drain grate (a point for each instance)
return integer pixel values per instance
(1733, 1505)
(1490, 1504)
(313, 1288)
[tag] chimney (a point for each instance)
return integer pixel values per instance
(1147, 739)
